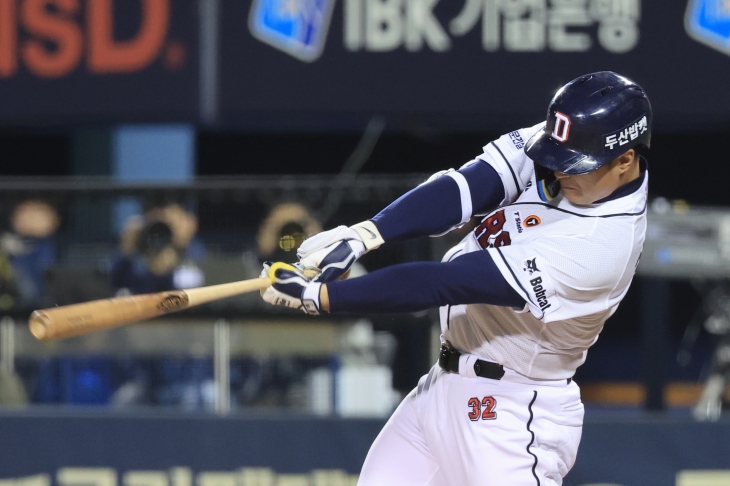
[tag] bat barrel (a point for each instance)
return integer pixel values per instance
(76, 319)
(73, 320)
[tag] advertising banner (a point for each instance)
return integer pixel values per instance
(487, 63)
(99, 449)
(101, 60)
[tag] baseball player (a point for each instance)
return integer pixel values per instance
(521, 298)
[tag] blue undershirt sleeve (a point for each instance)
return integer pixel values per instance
(435, 207)
(485, 186)
(469, 279)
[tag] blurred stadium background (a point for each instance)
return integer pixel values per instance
(147, 145)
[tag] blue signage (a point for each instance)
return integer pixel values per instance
(297, 27)
(708, 21)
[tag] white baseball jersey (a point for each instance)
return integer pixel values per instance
(572, 264)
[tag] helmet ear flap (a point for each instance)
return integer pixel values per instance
(548, 186)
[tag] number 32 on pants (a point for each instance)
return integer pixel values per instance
(482, 409)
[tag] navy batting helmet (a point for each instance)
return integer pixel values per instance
(591, 121)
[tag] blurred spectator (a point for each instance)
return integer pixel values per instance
(280, 233)
(159, 252)
(30, 247)
(283, 231)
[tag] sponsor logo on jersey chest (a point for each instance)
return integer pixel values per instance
(532, 220)
(518, 222)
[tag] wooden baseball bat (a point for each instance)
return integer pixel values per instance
(73, 320)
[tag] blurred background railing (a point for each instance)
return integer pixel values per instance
(77, 239)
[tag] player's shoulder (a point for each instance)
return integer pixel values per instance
(546, 224)
(538, 222)
(597, 230)
(586, 261)
(513, 143)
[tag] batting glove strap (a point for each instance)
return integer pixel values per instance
(369, 235)
(310, 299)
(290, 288)
(320, 241)
(332, 252)
(337, 260)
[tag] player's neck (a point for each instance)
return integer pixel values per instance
(626, 183)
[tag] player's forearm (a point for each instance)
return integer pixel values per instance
(441, 204)
(412, 287)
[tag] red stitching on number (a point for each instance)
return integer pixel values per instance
(476, 409)
(490, 403)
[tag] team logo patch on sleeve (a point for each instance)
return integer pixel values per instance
(517, 140)
(539, 286)
(540, 293)
(530, 266)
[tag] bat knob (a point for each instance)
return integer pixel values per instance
(38, 324)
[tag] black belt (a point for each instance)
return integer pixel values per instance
(449, 361)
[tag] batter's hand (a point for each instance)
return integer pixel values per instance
(333, 252)
(290, 288)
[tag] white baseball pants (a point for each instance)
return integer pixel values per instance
(455, 430)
